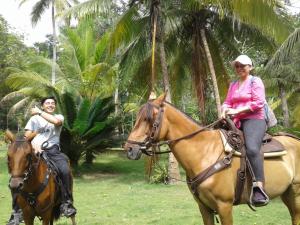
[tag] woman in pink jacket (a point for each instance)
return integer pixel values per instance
(245, 104)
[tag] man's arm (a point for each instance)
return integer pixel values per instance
(49, 117)
(29, 135)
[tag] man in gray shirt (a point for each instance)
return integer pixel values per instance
(45, 127)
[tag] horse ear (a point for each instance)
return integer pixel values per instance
(152, 96)
(9, 137)
(162, 98)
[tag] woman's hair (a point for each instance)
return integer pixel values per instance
(46, 98)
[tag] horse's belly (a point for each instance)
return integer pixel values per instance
(278, 176)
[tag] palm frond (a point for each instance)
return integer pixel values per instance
(17, 106)
(130, 26)
(38, 10)
(27, 79)
(88, 8)
(101, 48)
(81, 122)
(284, 50)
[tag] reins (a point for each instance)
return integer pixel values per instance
(151, 140)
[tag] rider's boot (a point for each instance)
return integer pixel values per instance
(16, 217)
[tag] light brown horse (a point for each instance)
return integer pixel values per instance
(159, 120)
(34, 182)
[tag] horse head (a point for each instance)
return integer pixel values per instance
(20, 155)
(147, 130)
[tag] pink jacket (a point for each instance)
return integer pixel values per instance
(251, 94)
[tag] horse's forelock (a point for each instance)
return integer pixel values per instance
(21, 142)
(146, 113)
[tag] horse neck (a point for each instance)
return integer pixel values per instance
(179, 124)
(38, 175)
(195, 153)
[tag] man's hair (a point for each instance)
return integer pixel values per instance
(46, 98)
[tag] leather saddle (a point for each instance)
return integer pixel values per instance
(233, 140)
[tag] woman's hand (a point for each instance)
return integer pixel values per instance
(224, 113)
(229, 112)
(232, 112)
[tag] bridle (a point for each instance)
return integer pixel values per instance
(151, 141)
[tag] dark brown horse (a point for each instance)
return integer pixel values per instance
(159, 120)
(34, 182)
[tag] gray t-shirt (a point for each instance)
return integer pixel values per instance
(46, 131)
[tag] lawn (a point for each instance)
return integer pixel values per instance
(114, 191)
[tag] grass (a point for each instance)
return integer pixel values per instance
(114, 191)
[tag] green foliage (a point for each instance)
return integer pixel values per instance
(160, 174)
(89, 129)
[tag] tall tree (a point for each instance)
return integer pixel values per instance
(36, 14)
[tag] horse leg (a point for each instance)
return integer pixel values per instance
(73, 220)
(28, 220)
(207, 214)
(225, 212)
(291, 198)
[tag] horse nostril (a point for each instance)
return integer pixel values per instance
(21, 185)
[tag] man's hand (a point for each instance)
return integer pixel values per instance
(36, 111)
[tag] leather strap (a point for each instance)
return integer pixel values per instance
(216, 167)
(240, 178)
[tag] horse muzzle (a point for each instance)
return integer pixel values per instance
(16, 183)
(133, 152)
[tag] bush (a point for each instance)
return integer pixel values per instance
(160, 174)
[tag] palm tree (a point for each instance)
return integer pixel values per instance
(280, 71)
(36, 14)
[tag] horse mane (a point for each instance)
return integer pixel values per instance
(146, 113)
(184, 114)
(20, 141)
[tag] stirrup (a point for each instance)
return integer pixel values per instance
(67, 209)
(16, 218)
(258, 202)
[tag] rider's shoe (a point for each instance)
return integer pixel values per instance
(259, 197)
(16, 218)
(67, 209)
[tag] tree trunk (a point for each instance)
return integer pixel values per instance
(284, 105)
(53, 77)
(212, 71)
(173, 168)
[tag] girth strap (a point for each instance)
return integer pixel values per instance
(216, 167)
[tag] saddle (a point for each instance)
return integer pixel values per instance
(233, 141)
